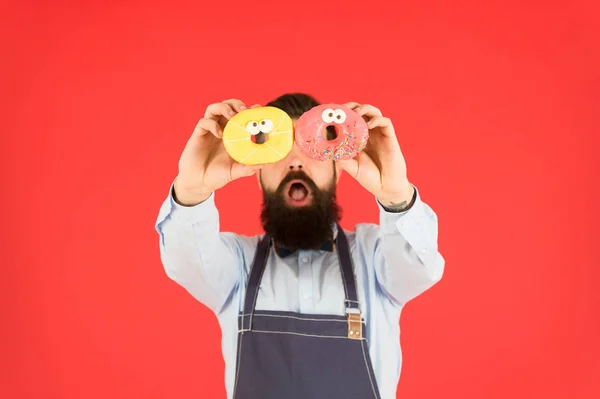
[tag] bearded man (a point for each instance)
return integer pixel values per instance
(307, 310)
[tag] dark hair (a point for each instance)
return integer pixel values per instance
(294, 104)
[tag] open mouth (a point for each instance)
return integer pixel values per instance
(259, 138)
(298, 193)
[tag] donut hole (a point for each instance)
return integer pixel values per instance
(259, 138)
(331, 132)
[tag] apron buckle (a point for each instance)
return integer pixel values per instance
(354, 326)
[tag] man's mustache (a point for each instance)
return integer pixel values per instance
(297, 175)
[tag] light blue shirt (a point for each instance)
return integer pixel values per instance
(394, 261)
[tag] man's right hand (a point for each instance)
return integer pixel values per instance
(204, 165)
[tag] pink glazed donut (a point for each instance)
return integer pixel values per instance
(314, 133)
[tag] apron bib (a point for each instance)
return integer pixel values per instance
(288, 355)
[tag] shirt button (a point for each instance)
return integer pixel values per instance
(305, 259)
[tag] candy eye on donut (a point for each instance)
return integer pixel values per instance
(253, 128)
(265, 125)
(339, 116)
(328, 115)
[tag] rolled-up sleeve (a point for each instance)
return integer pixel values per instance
(196, 254)
(407, 261)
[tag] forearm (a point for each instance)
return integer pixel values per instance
(187, 197)
(401, 201)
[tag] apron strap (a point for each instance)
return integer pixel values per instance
(347, 270)
(258, 268)
(260, 261)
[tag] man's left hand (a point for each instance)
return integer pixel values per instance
(380, 167)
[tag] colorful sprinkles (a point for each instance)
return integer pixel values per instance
(348, 148)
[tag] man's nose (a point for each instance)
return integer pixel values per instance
(295, 159)
(295, 164)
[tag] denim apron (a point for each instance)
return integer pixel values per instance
(288, 355)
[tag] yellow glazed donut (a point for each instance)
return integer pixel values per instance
(259, 135)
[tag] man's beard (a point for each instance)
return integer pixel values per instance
(303, 227)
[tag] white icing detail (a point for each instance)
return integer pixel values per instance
(253, 128)
(328, 115)
(266, 125)
(339, 116)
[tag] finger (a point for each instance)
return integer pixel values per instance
(236, 104)
(358, 164)
(350, 166)
(368, 111)
(352, 105)
(206, 126)
(256, 106)
(385, 124)
(215, 111)
(239, 170)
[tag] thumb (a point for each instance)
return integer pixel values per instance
(239, 170)
(349, 165)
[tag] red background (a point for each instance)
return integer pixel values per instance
(496, 109)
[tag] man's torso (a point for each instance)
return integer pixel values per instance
(310, 282)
